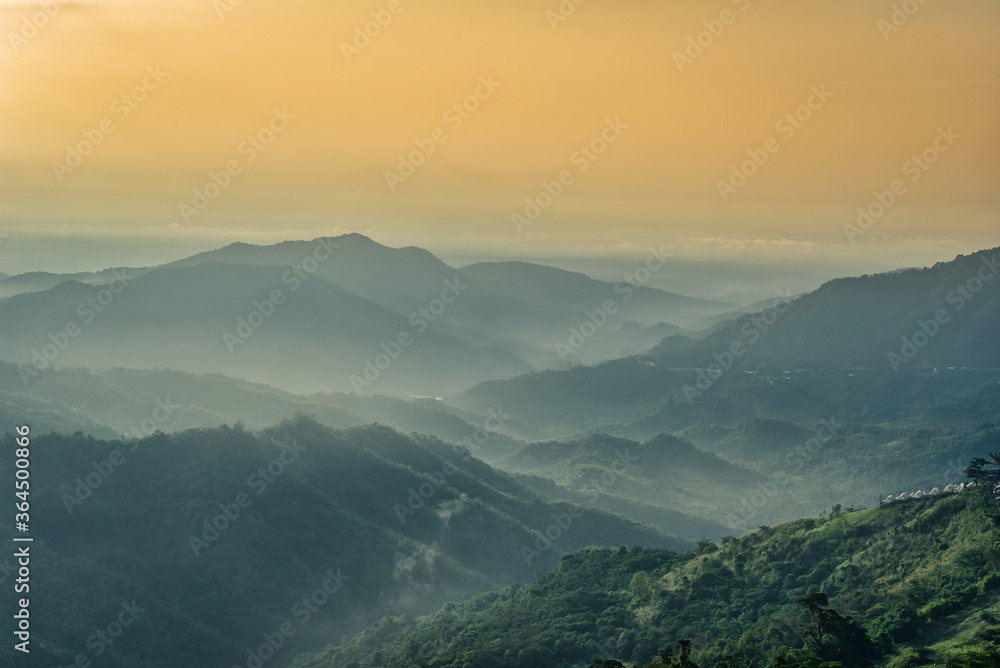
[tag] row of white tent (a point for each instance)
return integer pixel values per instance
(919, 494)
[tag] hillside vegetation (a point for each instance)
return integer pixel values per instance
(218, 534)
(912, 345)
(908, 585)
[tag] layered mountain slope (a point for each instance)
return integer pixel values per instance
(510, 330)
(247, 321)
(892, 346)
(649, 481)
(138, 402)
(557, 288)
(223, 535)
(945, 315)
(921, 579)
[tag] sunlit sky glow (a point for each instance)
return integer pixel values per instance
(657, 183)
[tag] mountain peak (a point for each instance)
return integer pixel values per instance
(355, 238)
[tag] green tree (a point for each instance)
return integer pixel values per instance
(977, 467)
(831, 637)
(684, 653)
(682, 658)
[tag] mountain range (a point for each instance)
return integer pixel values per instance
(331, 315)
(502, 464)
(217, 534)
(909, 585)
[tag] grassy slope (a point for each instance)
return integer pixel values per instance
(918, 576)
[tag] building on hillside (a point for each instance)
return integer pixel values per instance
(990, 480)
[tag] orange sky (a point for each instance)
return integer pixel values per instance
(657, 182)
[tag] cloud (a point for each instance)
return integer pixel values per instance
(448, 509)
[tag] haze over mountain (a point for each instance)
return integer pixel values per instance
(536, 334)
(218, 534)
(198, 319)
(343, 305)
(40, 281)
(405, 280)
(913, 584)
(945, 315)
(559, 289)
(824, 352)
(682, 438)
(175, 317)
(116, 402)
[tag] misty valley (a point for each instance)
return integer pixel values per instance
(518, 334)
(335, 453)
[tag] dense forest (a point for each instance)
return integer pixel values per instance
(219, 534)
(503, 334)
(647, 511)
(904, 585)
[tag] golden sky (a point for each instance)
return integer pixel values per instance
(228, 64)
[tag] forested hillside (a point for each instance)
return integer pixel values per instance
(915, 345)
(219, 535)
(120, 401)
(904, 585)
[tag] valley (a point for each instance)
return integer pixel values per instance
(289, 445)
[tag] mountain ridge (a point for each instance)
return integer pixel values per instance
(920, 580)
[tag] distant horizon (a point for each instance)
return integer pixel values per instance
(329, 328)
(21, 254)
(232, 128)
